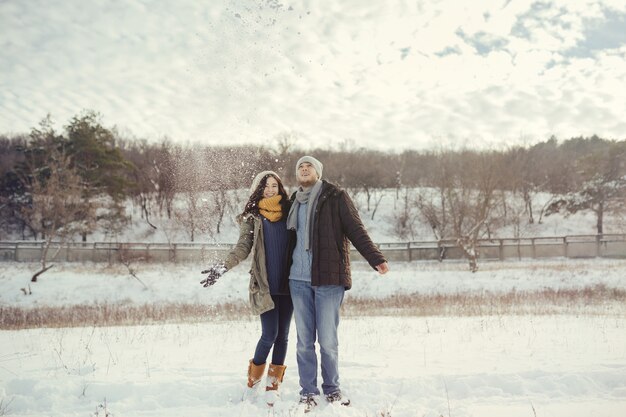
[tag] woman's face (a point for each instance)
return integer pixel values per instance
(271, 187)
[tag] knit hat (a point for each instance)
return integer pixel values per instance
(316, 164)
(259, 177)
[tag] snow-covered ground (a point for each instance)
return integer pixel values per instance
(568, 364)
(84, 284)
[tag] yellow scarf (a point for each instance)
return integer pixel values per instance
(270, 208)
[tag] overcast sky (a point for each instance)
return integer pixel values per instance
(381, 74)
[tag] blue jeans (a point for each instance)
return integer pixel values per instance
(316, 310)
(274, 331)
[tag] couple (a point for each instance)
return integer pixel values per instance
(300, 265)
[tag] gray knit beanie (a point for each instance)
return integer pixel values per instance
(259, 177)
(316, 164)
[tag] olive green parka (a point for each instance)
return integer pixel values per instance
(251, 240)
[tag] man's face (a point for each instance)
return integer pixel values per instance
(307, 175)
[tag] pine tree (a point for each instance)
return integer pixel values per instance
(100, 163)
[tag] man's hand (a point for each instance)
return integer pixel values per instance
(383, 268)
(215, 272)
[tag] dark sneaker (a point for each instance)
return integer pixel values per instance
(338, 397)
(308, 402)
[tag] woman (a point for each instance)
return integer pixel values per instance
(263, 231)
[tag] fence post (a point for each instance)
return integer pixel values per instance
(534, 248)
(408, 248)
(565, 251)
(501, 250)
(598, 243)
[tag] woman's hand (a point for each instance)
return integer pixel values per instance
(215, 272)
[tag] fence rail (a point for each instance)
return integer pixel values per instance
(576, 246)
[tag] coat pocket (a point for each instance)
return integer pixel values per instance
(254, 283)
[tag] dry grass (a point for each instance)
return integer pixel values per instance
(118, 315)
(589, 300)
(598, 299)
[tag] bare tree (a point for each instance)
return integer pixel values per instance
(185, 213)
(356, 173)
(145, 173)
(471, 214)
(56, 210)
(525, 173)
(220, 206)
(405, 219)
(460, 207)
(286, 144)
(190, 216)
(192, 181)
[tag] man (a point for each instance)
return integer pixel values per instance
(324, 219)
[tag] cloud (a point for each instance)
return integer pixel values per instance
(386, 74)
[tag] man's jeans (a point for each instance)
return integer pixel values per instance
(316, 310)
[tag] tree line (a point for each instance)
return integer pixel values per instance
(57, 185)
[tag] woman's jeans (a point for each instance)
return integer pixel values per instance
(316, 310)
(275, 331)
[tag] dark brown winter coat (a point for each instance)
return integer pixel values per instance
(337, 223)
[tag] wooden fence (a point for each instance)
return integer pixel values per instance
(580, 246)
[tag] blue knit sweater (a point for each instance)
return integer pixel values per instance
(302, 259)
(275, 238)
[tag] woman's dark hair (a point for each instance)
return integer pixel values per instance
(252, 206)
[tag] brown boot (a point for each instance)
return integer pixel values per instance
(255, 373)
(275, 375)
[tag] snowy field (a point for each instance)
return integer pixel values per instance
(451, 366)
(569, 363)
